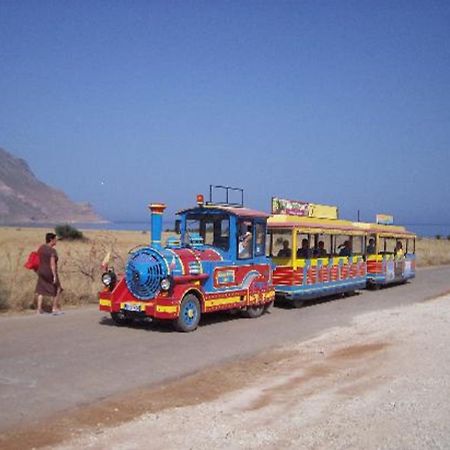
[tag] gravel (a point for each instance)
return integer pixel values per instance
(380, 383)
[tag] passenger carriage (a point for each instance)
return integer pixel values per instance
(391, 258)
(315, 254)
(217, 263)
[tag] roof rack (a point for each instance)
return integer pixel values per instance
(227, 191)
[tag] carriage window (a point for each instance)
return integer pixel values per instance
(245, 239)
(371, 246)
(343, 245)
(357, 245)
(280, 244)
(410, 246)
(400, 247)
(387, 246)
(304, 250)
(208, 233)
(322, 246)
(260, 232)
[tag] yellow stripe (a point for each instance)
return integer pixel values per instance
(166, 309)
(299, 262)
(281, 261)
(221, 301)
(104, 302)
(324, 261)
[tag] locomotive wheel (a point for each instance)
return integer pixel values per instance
(120, 319)
(253, 311)
(189, 314)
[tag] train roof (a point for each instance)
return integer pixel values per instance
(314, 225)
(395, 231)
(238, 211)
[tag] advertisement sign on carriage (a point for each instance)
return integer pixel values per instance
(384, 219)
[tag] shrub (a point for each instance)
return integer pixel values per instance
(438, 236)
(448, 237)
(69, 232)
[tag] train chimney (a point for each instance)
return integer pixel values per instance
(157, 210)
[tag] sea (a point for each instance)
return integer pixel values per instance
(421, 229)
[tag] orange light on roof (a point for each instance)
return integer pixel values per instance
(200, 199)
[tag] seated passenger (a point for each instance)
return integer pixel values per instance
(285, 252)
(398, 250)
(346, 249)
(304, 251)
(320, 251)
(245, 245)
(371, 249)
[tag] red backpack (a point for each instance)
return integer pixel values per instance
(33, 261)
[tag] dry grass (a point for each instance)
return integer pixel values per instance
(79, 262)
(432, 252)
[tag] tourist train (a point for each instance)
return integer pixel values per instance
(229, 257)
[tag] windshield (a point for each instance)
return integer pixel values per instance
(213, 228)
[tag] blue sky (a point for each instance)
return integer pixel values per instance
(125, 102)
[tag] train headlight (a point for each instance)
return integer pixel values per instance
(109, 278)
(165, 284)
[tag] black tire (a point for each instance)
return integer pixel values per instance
(120, 319)
(253, 312)
(267, 306)
(189, 316)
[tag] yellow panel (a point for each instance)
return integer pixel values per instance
(221, 301)
(323, 211)
(344, 259)
(280, 261)
(105, 302)
(300, 262)
(166, 309)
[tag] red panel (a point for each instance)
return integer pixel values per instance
(334, 273)
(286, 276)
(121, 293)
(311, 276)
(208, 255)
(374, 267)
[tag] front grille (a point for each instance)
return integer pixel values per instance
(144, 271)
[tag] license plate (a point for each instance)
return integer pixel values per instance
(135, 307)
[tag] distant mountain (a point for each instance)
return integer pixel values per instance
(25, 199)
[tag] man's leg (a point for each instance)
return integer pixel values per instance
(56, 304)
(39, 304)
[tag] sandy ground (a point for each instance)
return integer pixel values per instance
(382, 383)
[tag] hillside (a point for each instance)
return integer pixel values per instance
(25, 199)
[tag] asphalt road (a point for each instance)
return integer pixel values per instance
(50, 364)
